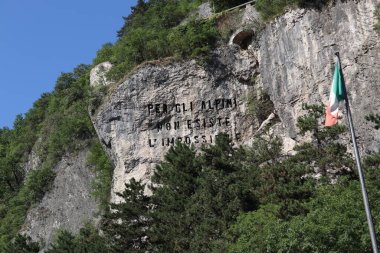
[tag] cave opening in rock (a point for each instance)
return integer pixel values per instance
(243, 39)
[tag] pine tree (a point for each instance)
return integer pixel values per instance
(226, 188)
(21, 244)
(325, 153)
(174, 182)
(64, 243)
(126, 225)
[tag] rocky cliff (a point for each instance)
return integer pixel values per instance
(290, 58)
(164, 102)
(68, 205)
(296, 57)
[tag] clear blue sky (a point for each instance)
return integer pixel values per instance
(39, 39)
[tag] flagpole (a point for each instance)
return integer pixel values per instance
(359, 165)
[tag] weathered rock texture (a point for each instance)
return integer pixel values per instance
(68, 205)
(98, 74)
(292, 58)
(296, 57)
(167, 101)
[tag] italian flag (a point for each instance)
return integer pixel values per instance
(337, 93)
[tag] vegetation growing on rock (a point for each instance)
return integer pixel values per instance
(224, 199)
(229, 199)
(377, 16)
(57, 125)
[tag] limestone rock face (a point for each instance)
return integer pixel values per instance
(291, 58)
(98, 74)
(161, 103)
(296, 57)
(205, 10)
(67, 205)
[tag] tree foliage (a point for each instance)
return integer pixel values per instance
(229, 199)
(21, 244)
(269, 9)
(153, 31)
(221, 5)
(377, 16)
(57, 124)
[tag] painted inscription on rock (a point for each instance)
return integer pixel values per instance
(191, 122)
(157, 106)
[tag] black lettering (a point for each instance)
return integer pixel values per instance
(152, 144)
(217, 102)
(222, 104)
(204, 123)
(210, 138)
(197, 123)
(189, 124)
(191, 106)
(150, 107)
(235, 102)
(196, 139)
(227, 121)
(178, 108)
(184, 108)
(157, 107)
(210, 105)
(176, 125)
(170, 141)
(203, 105)
(159, 127)
(165, 108)
(168, 126)
(204, 139)
(163, 142)
(212, 122)
(187, 140)
(219, 121)
(228, 103)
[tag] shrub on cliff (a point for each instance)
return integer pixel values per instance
(21, 244)
(377, 17)
(154, 31)
(193, 40)
(87, 240)
(59, 123)
(269, 9)
(221, 5)
(335, 222)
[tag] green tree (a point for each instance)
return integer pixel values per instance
(377, 16)
(103, 170)
(198, 197)
(89, 241)
(325, 153)
(221, 5)
(64, 243)
(126, 225)
(269, 9)
(21, 244)
(174, 181)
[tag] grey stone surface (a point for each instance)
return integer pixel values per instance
(98, 74)
(296, 57)
(205, 10)
(292, 58)
(127, 123)
(68, 204)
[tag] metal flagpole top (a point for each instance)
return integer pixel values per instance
(360, 171)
